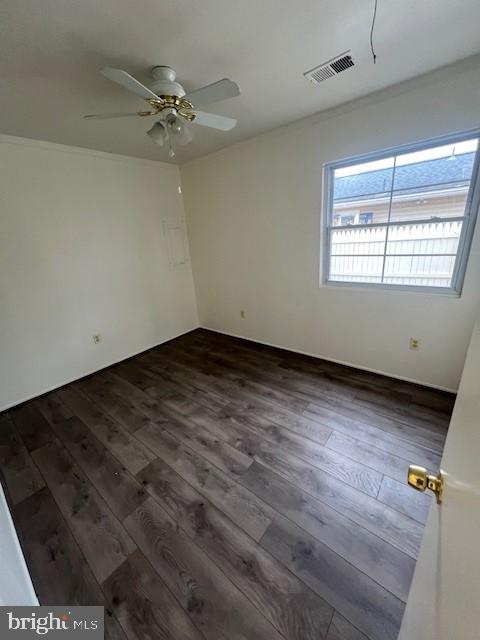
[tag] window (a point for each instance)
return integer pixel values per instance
(346, 220)
(365, 218)
(403, 218)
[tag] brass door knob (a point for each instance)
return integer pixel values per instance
(420, 479)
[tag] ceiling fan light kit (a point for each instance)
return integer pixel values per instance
(157, 134)
(174, 107)
(168, 132)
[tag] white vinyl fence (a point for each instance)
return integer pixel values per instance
(411, 254)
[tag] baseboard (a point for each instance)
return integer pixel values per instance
(344, 362)
(232, 335)
(90, 372)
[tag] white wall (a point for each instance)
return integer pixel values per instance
(253, 213)
(82, 252)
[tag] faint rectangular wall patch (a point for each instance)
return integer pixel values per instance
(52, 623)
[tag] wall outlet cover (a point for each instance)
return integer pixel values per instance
(414, 344)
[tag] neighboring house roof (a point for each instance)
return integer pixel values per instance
(442, 172)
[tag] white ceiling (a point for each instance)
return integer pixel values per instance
(51, 52)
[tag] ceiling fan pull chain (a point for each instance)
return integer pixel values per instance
(171, 150)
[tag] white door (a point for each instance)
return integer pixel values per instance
(444, 601)
(16, 587)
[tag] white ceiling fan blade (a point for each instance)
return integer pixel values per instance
(220, 90)
(128, 82)
(107, 116)
(214, 121)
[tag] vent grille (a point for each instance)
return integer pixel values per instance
(331, 68)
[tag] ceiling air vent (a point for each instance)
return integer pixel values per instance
(331, 68)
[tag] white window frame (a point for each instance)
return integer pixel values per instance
(464, 245)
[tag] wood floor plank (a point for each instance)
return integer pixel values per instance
(372, 609)
(261, 416)
(119, 408)
(203, 374)
(440, 401)
(143, 604)
(180, 382)
(400, 531)
(352, 473)
(217, 607)
(381, 397)
(435, 413)
(131, 453)
(228, 343)
(228, 371)
(228, 428)
(391, 426)
(353, 425)
(387, 565)
(401, 409)
(420, 396)
(266, 392)
(177, 399)
(358, 382)
(292, 608)
(142, 379)
(32, 426)
(99, 534)
(384, 462)
(344, 468)
(401, 497)
(21, 476)
(292, 382)
(153, 406)
(297, 382)
(215, 450)
(118, 488)
(341, 629)
(60, 574)
(242, 506)
(317, 369)
(135, 397)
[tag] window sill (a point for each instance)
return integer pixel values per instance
(394, 288)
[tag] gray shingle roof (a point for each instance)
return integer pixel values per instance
(452, 171)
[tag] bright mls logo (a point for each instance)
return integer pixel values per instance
(25, 623)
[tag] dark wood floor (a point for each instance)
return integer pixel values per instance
(215, 488)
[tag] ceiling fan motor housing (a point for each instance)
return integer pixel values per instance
(164, 82)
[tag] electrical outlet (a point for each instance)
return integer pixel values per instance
(242, 313)
(97, 338)
(414, 344)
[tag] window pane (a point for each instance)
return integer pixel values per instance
(356, 268)
(427, 238)
(433, 183)
(424, 206)
(367, 211)
(358, 241)
(421, 271)
(362, 193)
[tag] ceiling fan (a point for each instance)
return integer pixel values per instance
(173, 106)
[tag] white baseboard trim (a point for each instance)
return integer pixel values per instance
(90, 372)
(344, 362)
